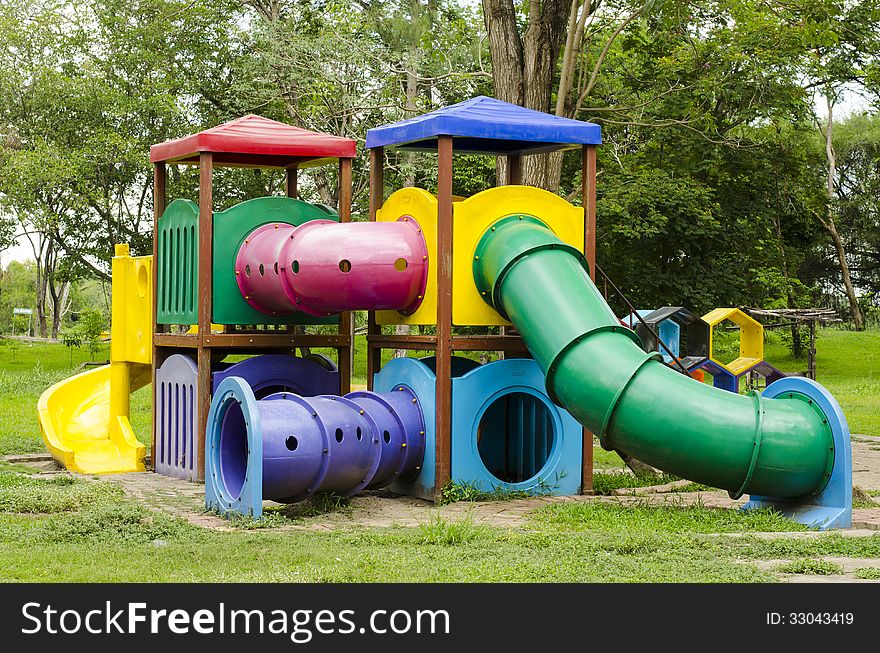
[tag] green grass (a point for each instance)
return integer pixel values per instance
(456, 491)
(76, 521)
(848, 364)
(605, 459)
(810, 567)
(604, 484)
(867, 573)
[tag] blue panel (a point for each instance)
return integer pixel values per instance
(473, 396)
(488, 126)
(419, 378)
(833, 507)
(249, 501)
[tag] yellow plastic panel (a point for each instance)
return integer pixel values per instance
(751, 339)
(421, 206)
(132, 308)
(473, 216)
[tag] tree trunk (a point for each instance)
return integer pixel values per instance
(524, 68)
(828, 221)
(411, 106)
(797, 347)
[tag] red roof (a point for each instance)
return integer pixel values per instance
(255, 141)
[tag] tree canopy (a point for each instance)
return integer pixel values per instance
(724, 179)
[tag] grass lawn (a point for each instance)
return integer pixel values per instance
(848, 364)
(53, 529)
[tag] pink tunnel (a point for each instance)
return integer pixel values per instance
(325, 267)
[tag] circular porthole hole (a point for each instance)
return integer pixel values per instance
(358, 434)
(386, 436)
(515, 437)
(262, 270)
(400, 264)
(295, 267)
(291, 443)
(339, 435)
(345, 265)
(275, 267)
(247, 270)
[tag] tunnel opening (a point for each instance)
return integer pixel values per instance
(515, 437)
(233, 450)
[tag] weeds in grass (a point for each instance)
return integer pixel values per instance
(862, 499)
(868, 573)
(450, 533)
(810, 567)
(456, 491)
(276, 516)
(115, 522)
(605, 484)
(59, 493)
(642, 516)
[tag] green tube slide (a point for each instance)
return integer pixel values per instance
(597, 370)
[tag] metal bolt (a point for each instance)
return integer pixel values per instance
(421, 432)
(361, 411)
(425, 257)
(418, 468)
(403, 445)
(237, 272)
(476, 258)
(325, 452)
(414, 400)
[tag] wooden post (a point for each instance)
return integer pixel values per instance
(443, 393)
(160, 199)
(291, 176)
(811, 352)
(588, 198)
(588, 195)
(206, 242)
(377, 198)
(514, 169)
(346, 321)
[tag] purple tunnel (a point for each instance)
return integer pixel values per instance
(331, 444)
(325, 267)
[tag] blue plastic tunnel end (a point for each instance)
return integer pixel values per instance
(833, 507)
(234, 469)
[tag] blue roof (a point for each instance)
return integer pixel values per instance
(485, 125)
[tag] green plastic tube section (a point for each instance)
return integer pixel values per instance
(597, 370)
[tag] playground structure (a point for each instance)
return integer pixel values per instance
(662, 330)
(84, 420)
(284, 427)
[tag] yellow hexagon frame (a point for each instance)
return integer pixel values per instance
(471, 218)
(751, 339)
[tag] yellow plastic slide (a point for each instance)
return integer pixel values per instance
(85, 419)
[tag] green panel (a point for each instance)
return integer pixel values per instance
(178, 255)
(745, 444)
(231, 227)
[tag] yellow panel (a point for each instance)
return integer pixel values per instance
(473, 216)
(422, 207)
(132, 308)
(751, 339)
